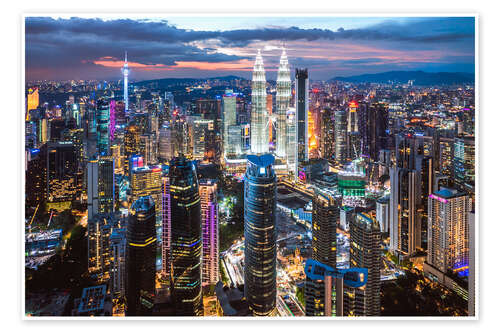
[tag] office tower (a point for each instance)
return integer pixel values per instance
(229, 107)
(210, 109)
(259, 132)
(340, 136)
(448, 247)
(125, 71)
(301, 114)
(464, 164)
(404, 225)
(131, 140)
(325, 217)
(118, 245)
(382, 209)
(76, 136)
(116, 152)
(291, 142)
(146, 181)
(148, 148)
(100, 186)
(260, 234)
(377, 122)
(269, 108)
(166, 237)
(30, 134)
(327, 137)
(60, 171)
(35, 184)
(235, 139)
(140, 257)
(112, 120)
(32, 101)
(210, 231)
(283, 95)
(100, 227)
(102, 119)
(365, 252)
(167, 147)
(203, 139)
(409, 148)
(186, 243)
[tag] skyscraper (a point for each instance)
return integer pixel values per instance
(102, 119)
(325, 217)
(260, 234)
(100, 186)
(166, 237)
(301, 114)
(229, 107)
(340, 136)
(448, 247)
(259, 132)
(186, 243)
(283, 94)
(365, 252)
(210, 230)
(146, 181)
(140, 258)
(464, 163)
(125, 71)
(291, 141)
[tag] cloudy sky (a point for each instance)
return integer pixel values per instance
(93, 47)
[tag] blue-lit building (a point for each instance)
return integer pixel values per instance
(260, 234)
(102, 120)
(186, 238)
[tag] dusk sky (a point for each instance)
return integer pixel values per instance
(63, 48)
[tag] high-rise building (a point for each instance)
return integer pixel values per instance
(365, 252)
(260, 118)
(100, 186)
(100, 228)
(203, 135)
(210, 230)
(301, 114)
(382, 209)
(291, 142)
(167, 144)
(325, 216)
(404, 226)
(340, 136)
(140, 258)
(146, 181)
(464, 164)
(229, 107)
(166, 237)
(118, 245)
(448, 230)
(377, 123)
(260, 234)
(186, 233)
(32, 101)
(125, 71)
(283, 95)
(102, 119)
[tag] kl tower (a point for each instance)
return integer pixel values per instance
(125, 71)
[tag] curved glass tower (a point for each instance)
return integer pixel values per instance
(186, 241)
(259, 134)
(260, 234)
(283, 94)
(141, 257)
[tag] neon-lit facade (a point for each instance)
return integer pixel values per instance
(210, 229)
(112, 120)
(259, 134)
(283, 95)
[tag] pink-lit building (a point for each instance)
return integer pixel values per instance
(210, 230)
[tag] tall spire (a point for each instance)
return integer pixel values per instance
(125, 56)
(283, 95)
(259, 142)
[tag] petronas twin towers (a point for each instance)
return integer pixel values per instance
(259, 139)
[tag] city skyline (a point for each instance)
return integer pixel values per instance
(93, 48)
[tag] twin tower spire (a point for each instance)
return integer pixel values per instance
(259, 139)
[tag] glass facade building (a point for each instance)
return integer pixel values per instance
(260, 234)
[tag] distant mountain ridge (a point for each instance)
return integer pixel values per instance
(419, 78)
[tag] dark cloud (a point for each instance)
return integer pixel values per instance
(77, 42)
